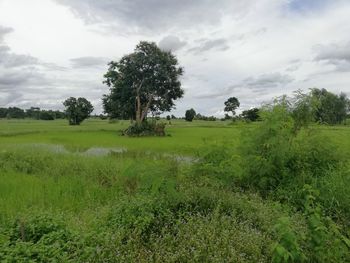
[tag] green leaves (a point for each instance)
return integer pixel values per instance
(77, 110)
(145, 80)
(287, 249)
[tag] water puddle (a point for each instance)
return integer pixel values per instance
(106, 151)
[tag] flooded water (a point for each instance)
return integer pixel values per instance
(106, 151)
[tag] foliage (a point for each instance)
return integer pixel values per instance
(204, 118)
(331, 108)
(3, 112)
(13, 112)
(323, 232)
(41, 239)
(231, 105)
(146, 204)
(146, 128)
(190, 114)
(145, 80)
(33, 113)
(275, 155)
(287, 248)
(251, 115)
(77, 110)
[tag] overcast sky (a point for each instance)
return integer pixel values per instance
(251, 49)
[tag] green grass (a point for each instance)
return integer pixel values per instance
(184, 138)
(143, 205)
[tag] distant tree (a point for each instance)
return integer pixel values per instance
(3, 112)
(231, 105)
(173, 117)
(33, 112)
(227, 117)
(15, 113)
(143, 81)
(168, 117)
(77, 110)
(59, 114)
(251, 115)
(46, 115)
(204, 118)
(190, 114)
(330, 108)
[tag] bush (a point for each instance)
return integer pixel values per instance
(145, 129)
(42, 238)
(276, 155)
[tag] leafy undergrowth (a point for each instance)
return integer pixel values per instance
(68, 208)
(281, 195)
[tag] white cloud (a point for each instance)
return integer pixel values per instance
(253, 50)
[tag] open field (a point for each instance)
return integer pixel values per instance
(149, 199)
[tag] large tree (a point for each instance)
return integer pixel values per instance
(231, 105)
(143, 81)
(77, 110)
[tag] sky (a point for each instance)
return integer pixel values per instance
(254, 50)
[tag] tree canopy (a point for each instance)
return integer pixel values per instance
(77, 110)
(190, 114)
(251, 115)
(143, 81)
(231, 105)
(330, 108)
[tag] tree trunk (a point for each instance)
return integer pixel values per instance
(138, 109)
(145, 111)
(138, 104)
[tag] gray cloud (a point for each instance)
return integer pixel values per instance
(219, 44)
(11, 60)
(156, 14)
(171, 43)
(4, 31)
(89, 62)
(270, 80)
(259, 85)
(19, 74)
(335, 54)
(219, 93)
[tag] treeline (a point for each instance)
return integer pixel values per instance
(247, 115)
(32, 113)
(321, 105)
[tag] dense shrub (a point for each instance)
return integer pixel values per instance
(42, 238)
(146, 128)
(276, 155)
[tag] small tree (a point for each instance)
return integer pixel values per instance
(77, 110)
(231, 105)
(190, 114)
(251, 115)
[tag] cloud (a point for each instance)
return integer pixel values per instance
(335, 54)
(219, 44)
(257, 85)
(18, 73)
(11, 60)
(171, 43)
(4, 31)
(156, 15)
(248, 49)
(89, 62)
(270, 80)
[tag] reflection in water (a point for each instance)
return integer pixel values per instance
(105, 151)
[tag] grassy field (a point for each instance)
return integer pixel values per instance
(183, 137)
(144, 201)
